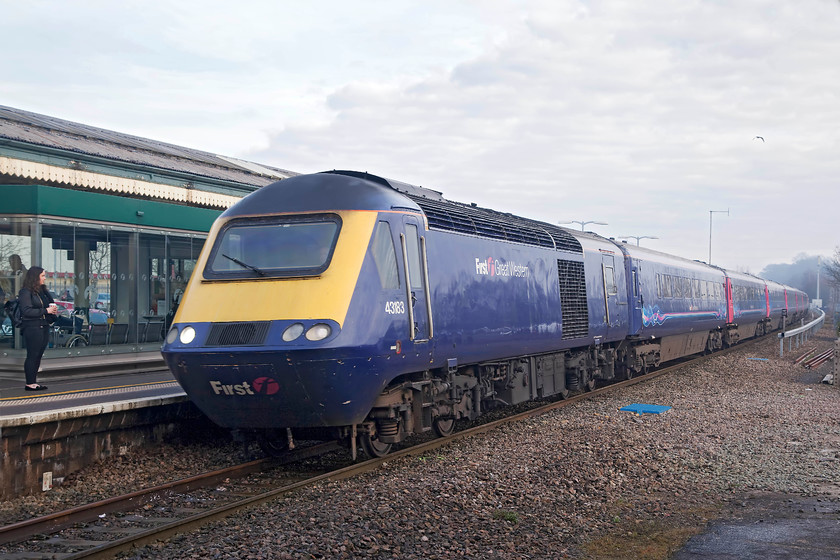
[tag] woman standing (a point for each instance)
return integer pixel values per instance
(38, 311)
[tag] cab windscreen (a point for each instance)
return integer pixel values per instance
(275, 247)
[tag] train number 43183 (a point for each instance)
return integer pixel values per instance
(394, 307)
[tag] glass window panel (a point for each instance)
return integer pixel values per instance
(412, 244)
(609, 279)
(276, 247)
(122, 300)
(385, 256)
(16, 246)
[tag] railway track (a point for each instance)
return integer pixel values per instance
(105, 528)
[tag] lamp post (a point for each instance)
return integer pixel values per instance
(638, 237)
(711, 212)
(583, 224)
(818, 277)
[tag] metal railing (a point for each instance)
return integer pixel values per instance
(801, 334)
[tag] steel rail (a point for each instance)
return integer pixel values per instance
(88, 512)
(820, 359)
(805, 356)
(171, 529)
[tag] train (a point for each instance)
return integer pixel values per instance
(345, 306)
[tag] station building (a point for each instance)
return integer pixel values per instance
(117, 222)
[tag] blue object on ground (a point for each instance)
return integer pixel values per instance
(760, 359)
(649, 408)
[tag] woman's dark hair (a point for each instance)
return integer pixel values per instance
(32, 280)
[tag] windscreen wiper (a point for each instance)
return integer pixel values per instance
(244, 265)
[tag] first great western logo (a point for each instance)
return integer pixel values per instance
(259, 386)
(501, 268)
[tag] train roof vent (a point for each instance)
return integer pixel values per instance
(462, 218)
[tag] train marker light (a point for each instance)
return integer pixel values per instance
(187, 335)
(318, 332)
(172, 335)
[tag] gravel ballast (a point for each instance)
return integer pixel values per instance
(584, 481)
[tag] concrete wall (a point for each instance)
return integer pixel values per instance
(35, 454)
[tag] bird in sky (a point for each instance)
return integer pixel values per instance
(759, 138)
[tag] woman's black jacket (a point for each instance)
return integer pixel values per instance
(33, 308)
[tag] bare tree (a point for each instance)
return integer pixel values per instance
(832, 268)
(10, 245)
(9, 282)
(100, 259)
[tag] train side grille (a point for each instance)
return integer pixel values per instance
(573, 299)
(237, 334)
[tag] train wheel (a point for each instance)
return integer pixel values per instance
(589, 385)
(373, 447)
(443, 426)
(273, 443)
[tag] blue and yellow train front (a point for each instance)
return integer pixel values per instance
(281, 324)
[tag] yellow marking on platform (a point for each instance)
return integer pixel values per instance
(93, 390)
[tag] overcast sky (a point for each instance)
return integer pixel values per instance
(639, 113)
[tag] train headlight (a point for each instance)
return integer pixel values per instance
(172, 335)
(317, 332)
(187, 335)
(293, 332)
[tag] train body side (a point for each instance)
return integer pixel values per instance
(675, 295)
(776, 308)
(494, 300)
(425, 311)
(487, 300)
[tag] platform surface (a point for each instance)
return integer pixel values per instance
(80, 395)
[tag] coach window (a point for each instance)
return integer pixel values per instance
(385, 256)
(678, 287)
(658, 285)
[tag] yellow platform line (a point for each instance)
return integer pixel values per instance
(85, 390)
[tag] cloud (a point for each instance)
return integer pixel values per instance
(640, 114)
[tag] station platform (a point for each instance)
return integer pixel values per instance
(81, 419)
(76, 396)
